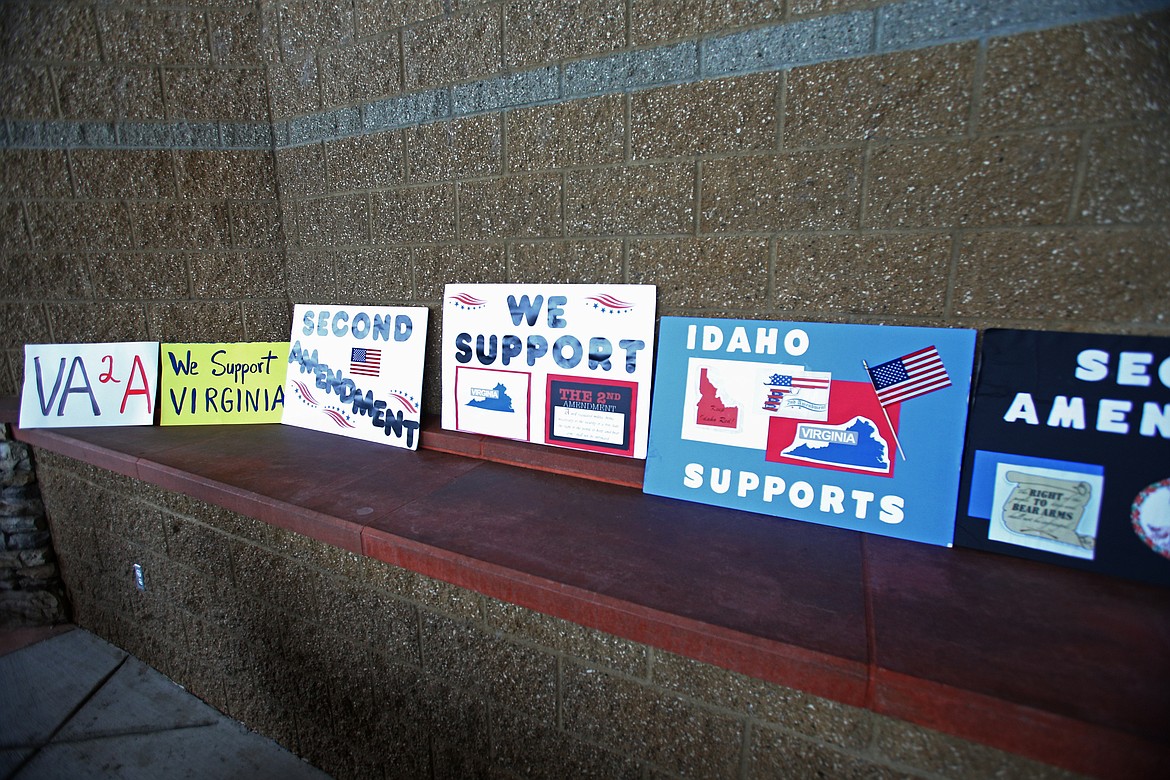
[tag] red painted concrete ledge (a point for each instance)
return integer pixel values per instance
(1058, 665)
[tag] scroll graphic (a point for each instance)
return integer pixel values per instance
(1047, 508)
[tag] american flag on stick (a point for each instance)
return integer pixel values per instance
(909, 376)
(367, 362)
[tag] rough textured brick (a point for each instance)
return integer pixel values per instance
(103, 92)
(453, 48)
(243, 36)
(361, 72)
(830, 722)
(606, 650)
(140, 276)
(34, 31)
(541, 31)
(905, 95)
(365, 162)
(307, 25)
(182, 225)
(234, 94)
(256, 224)
(34, 173)
(519, 678)
(225, 174)
(301, 171)
(27, 92)
(370, 616)
(311, 276)
(195, 321)
(22, 324)
(267, 320)
(643, 722)
(154, 37)
(413, 214)
(803, 7)
(630, 200)
(1108, 71)
(45, 276)
(75, 322)
(405, 110)
(246, 274)
(11, 381)
(1128, 175)
(919, 22)
(295, 87)
(714, 116)
(13, 233)
(535, 749)
(1071, 276)
(512, 89)
(869, 274)
(107, 173)
(715, 274)
(777, 754)
(802, 42)
(799, 190)
(332, 222)
(948, 756)
(526, 206)
(58, 134)
(461, 148)
(1016, 180)
(576, 133)
(566, 262)
(89, 225)
(168, 135)
(378, 16)
(376, 277)
(632, 70)
(665, 20)
(246, 135)
(437, 266)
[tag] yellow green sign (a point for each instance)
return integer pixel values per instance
(222, 384)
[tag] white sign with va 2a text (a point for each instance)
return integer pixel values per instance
(357, 371)
(89, 385)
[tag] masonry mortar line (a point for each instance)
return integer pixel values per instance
(1080, 175)
(977, 79)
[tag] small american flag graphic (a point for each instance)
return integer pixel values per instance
(366, 362)
(909, 376)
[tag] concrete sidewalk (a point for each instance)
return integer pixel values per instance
(74, 706)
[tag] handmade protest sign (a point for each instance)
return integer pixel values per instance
(230, 384)
(1068, 452)
(561, 364)
(89, 385)
(854, 426)
(357, 371)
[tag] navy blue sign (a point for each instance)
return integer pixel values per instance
(1067, 457)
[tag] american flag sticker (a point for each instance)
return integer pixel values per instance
(909, 376)
(366, 362)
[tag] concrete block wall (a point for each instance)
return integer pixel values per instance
(372, 671)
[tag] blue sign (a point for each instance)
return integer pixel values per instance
(853, 426)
